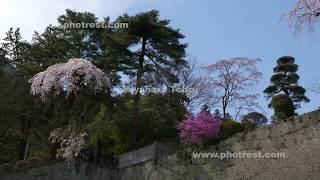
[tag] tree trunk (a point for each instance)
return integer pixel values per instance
(25, 141)
(97, 153)
(137, 91)
(224, 107)
(65, 115)
(26, 149)
(224, 112)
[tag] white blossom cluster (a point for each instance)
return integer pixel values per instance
(70, 146)
(69, 77)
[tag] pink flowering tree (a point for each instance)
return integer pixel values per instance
(69, 78)
(198, 129)
(315, 87)
(305, 13)
(228, 84)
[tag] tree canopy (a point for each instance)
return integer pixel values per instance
(27, 122)
(149, 47)
(285, 81)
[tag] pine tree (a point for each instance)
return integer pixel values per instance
(205, 108)
(285, 81)
(218, 114)
(149, 45)
(59, 43)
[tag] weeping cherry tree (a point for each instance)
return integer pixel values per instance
(69, 78)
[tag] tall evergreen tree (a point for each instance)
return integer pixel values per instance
(3, 60)
(149, 45)
(285, 81)
(20, 112)
(17, 51)
(61, 43)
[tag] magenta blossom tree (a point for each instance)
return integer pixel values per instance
(198, 129)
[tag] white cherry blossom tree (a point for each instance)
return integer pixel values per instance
(69, 77)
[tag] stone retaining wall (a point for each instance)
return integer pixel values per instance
(299, 139)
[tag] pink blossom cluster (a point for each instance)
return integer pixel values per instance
(305, 13)
(306, 7)
(68, 77)
(198, 129)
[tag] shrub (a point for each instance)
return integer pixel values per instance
(5, 167)
(283, 107)
(248, 125)
(34, 161)
(21, 164)
(109, 131)
(199, 129)
(45, 158)
(229, 128)
(253, 120)
(112, 130)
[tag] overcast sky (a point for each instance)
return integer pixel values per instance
(33, 15)
(214, 29)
